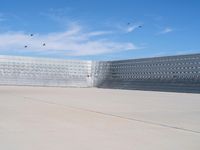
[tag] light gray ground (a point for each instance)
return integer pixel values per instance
(39, 118)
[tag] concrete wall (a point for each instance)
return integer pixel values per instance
(44, 72)
(173, 73)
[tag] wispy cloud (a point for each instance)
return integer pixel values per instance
(59, 16)
(75, 41)
(166, 30)
(129, 27)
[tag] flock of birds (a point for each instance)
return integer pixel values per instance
(26, 46)
(130, 24)
(44, 44)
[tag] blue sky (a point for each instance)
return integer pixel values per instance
(99, 30)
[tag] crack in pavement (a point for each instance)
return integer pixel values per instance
(113, 115)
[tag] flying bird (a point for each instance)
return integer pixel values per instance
(25, 46)
(31, 34)
(43, 44)
(139, 26)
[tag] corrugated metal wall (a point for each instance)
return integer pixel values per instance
(173, 73)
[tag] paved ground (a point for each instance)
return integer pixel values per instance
(38, 118)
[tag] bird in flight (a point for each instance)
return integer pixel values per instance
(44, 44)
(140, 26)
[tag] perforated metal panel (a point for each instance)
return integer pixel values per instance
(44, 72)
(154, 73)
(173, 72)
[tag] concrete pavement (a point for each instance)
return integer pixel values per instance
(101, 119)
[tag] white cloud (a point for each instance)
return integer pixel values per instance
(73, 42)
(166, 30)
(129, 28)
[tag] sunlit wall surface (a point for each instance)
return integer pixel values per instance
(44, 72)
(171, 73)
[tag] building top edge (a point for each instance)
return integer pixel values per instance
(40, 58)
(90, 61)
(155, 57)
